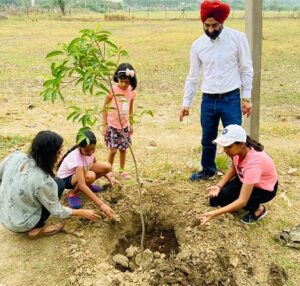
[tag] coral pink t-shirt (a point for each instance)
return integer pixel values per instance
(124, 97)
(73, 160)
(257, 168)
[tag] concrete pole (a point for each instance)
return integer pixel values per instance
(254, 34)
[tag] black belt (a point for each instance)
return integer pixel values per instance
(221, 95)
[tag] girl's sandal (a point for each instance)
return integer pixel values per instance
(96, 188)
(45, 231)
(74, 201)
(125, 176)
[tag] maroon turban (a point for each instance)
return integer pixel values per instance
(214, 9)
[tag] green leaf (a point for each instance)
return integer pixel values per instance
(132, 120)
(76, 116)
(72, 44)
(47, 94)
(111, 64)
(61, 96)
(148, 112)
(101, 93)
(81, 138)
(72, 114)
(114, 46)
(104, 88)
(54, 54)
(104, 32)
(81, 135)
(123, 53)
(79, 71)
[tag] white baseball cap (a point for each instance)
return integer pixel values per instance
(230, 134)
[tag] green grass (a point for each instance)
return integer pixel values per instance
(9, 144)
(222, 162)
(159, 51)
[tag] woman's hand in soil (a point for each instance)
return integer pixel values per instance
(107, 210)
(89, 214)
(206, 217)
(213, 191)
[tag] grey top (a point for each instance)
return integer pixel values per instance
(24, 189)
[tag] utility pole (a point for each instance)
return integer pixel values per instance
(254, 34)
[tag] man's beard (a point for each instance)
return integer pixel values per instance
(214, 34)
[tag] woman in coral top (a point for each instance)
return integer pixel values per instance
(251, 181)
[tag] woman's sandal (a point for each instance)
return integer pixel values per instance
(45, 231)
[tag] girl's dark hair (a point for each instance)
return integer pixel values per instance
(121, 74)
(44, 149)
(254, 144)
(90, 139)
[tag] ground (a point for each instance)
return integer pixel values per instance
(225, 252)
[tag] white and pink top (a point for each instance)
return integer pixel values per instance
(124, 97)
(257, 168)
(73, 160)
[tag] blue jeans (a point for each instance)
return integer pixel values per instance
(213, 108)
(45, 213)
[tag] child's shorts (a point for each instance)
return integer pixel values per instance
(114, 139)
(68, 182)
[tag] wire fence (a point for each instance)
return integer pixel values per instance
(129, 14)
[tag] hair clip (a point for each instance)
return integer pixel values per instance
(128, 72)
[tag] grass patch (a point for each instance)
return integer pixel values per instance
(223, 163)
(9, 144)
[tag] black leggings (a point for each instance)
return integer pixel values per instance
(231, 191)
(45, 213)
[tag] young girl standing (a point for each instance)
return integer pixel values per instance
(79, 170)
(114, 130)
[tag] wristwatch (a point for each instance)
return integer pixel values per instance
(246, 99)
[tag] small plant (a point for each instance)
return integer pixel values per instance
(222, 163)
(89, 61)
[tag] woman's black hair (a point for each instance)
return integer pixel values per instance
(44, 150)
(121, 74)
(254, 144)
(89, 139)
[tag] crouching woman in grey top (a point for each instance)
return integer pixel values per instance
(29, 191)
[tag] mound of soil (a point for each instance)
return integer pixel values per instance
(178, 252)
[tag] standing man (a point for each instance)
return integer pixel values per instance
(222, 56)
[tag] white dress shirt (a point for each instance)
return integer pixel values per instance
(225, 65)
